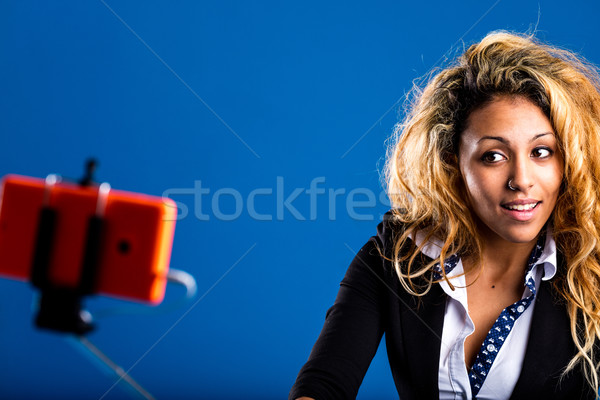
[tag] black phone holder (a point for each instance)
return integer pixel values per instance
(59, 306)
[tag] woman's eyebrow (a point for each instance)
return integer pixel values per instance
(506, 141)
(539, 135)
(498, 138)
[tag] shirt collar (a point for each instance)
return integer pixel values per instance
(547, 259)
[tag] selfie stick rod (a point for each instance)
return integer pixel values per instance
(114, 367)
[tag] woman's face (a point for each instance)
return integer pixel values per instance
(510, 139)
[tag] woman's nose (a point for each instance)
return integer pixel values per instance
(522, 175)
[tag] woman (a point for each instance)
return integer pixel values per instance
(485, 276)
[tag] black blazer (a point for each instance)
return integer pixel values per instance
(371, 302)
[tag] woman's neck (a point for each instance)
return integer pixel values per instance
(503, 263)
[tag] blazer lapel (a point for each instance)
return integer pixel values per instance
(549, 346)
(422, 322)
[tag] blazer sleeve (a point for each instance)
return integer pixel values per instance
(353, 329)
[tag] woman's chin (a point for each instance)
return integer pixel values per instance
(515, 235)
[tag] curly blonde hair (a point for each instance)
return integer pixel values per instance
(426, 189)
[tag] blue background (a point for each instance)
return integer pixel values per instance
(298, 90)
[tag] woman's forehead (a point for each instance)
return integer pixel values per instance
(509, 121)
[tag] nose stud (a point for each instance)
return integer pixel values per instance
(510, 186)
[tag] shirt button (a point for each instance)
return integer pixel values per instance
(491, 348)
(520, 309)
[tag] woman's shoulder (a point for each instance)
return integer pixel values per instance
(388, 231)
(399, 252)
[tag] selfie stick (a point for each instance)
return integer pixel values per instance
(60, 307)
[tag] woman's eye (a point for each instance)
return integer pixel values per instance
(492, 157)
(542, 152)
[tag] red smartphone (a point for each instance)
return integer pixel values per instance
(135, 243)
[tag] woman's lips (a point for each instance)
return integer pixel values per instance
(521, 210)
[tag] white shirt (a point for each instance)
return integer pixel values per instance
(453, 378)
